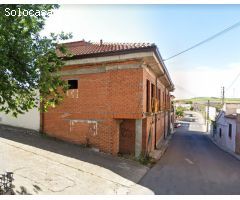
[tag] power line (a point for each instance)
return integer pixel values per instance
(204, 41)
(238, 75)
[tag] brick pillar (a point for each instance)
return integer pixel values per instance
(115, 137)
(138, 137)
(237, 139)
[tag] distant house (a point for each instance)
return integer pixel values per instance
(118, 100)
(183, 105)
(227, 131)
(212, 112)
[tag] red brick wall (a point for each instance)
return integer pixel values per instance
(165, 101)
(126, 93)
(160, 127)
(127, 137)
(149, 121)
(103, 97)
(148, 134)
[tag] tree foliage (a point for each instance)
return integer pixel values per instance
(28, 61)
(180, 111)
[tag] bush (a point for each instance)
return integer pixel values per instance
(145, 159)
(180, 111)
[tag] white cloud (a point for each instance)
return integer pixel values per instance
(95, 24)
(206, 81)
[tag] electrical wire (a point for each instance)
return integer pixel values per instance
(205, 41)
(238, 75)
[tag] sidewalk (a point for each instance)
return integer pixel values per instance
(161, 148)
(42, 165)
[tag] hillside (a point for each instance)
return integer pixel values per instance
(212, 99)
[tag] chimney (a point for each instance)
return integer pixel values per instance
(237, 138)
(101, 42)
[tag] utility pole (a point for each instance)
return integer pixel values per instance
(223, 95)
(207, 113)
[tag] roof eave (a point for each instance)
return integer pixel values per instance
(113, 53)
(159, 57)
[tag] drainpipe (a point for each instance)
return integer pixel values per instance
(42, 117)
(155, 117)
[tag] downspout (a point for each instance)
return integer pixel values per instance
(165, 108)
(155, 117)
(42, 117)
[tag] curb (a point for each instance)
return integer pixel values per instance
(160, 152)
(223, 148)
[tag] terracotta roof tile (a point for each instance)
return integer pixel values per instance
(84, 48)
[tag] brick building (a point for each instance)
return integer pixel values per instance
(118, 100)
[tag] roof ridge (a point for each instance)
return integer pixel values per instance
(124, 43)
(78, 41)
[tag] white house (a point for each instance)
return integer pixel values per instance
(212, 112)
(227, 127)
(186, 106)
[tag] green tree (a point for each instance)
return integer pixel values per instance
(28, 61)
(189, 102)
(180, 111)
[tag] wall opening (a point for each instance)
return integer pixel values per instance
(72, 84)
(148, 96)
(127, 136)
(230, 131)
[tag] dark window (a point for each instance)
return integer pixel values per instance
(152, 91)
(220, 132)
(73, 84)
(159, 99)
(163, 104)
(230, 130)
(152, 97)
(148, 96)
(165, 100)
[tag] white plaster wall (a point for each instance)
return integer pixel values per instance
(212, 112)
(230, 142)
(29, 120)
(225, 140)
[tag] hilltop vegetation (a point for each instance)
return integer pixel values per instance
(212, 99)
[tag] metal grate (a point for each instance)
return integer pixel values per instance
(6, 180)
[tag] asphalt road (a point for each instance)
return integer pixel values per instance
(192, 164)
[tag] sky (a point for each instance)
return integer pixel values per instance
(173, 28)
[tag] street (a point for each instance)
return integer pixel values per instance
(193, 165)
